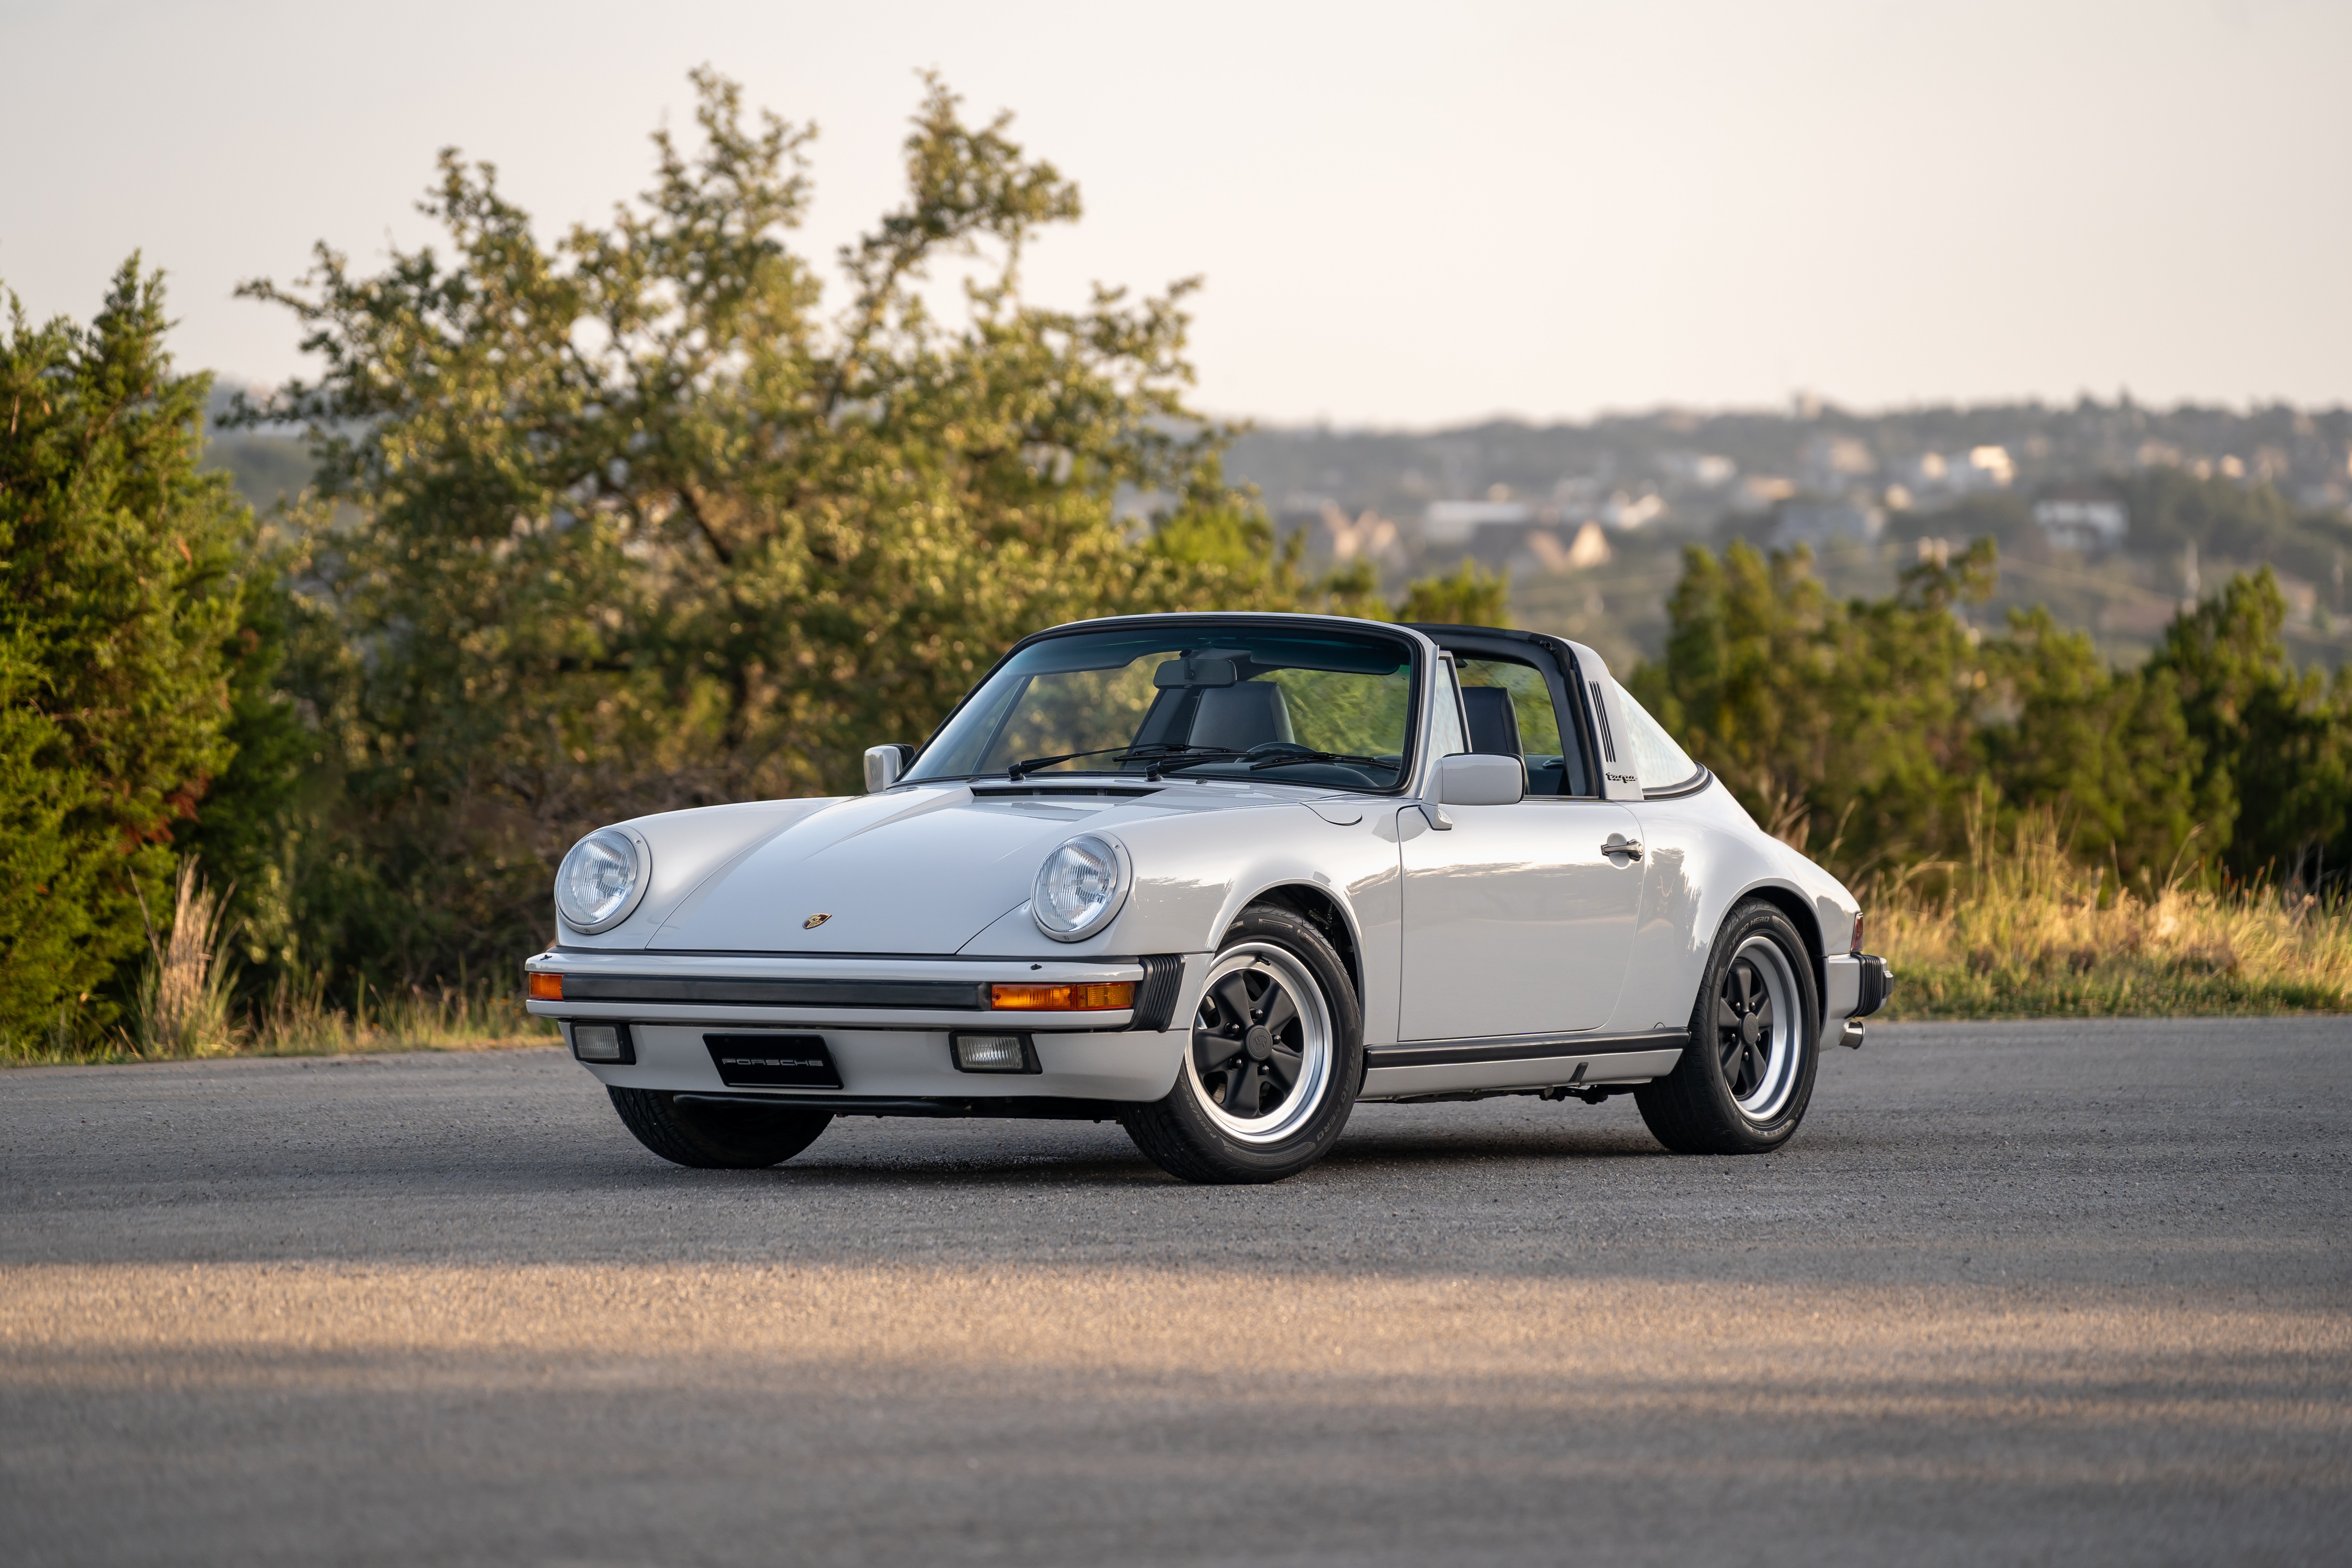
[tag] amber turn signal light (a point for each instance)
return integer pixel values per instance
(1105, 998)
(547, 988)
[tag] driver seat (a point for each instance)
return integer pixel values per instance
(1235, 718)
(1493, 724)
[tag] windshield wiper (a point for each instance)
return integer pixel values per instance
(1184, 757)
(1027, 764)
(1125, 754)
(1284, 759)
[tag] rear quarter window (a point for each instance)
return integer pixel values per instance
(1661, 764)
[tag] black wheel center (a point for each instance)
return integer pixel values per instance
(1258, 1042)
(1750, 1029)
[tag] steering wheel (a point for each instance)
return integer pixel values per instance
(1271, 748)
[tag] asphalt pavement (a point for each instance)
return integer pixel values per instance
(2063, 1291)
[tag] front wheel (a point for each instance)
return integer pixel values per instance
(717, 1136)
(1742, 1086)
(1274, 1061)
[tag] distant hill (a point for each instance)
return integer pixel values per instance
(266, 468)
(2200, 493)
(2110, 514)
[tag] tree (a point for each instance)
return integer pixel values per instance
(1873, 731)
(635, 522)
(2107, 751)
(1468, 597)
(121, 611)
(1845, 727)
(2273, 748)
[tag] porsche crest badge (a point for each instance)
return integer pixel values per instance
(813, 922)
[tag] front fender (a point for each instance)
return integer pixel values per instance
(1195, 873)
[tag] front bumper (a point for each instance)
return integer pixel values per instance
(886, 1021)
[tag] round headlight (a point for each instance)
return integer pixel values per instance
(1079, 888)
(601, 880)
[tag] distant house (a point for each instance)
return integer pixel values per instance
(1703, 470)
(1626, 513)
(1761, 492)
(1923, 473)
(1982, 469)
(2077, 518)
(1820, 523)
(1978, 468)
(1369, 536)
(1589, 549)
(1453, 522)
(1830, 464)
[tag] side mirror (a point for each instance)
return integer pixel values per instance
(884, 765)
(1480, 778)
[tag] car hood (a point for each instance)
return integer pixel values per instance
(913, 870)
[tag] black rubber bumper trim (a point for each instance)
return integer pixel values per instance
(1520, 1047)
(1155, 999)
(946, 996)
(1021, 1107)
(1877, 984)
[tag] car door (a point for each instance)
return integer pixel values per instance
(1520, 919)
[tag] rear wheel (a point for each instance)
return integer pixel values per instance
(1274, 1061)
(719, 1137)
(1742, 1086)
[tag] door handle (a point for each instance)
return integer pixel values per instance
(1619, 844)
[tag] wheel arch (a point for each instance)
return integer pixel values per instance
(1804, 917)
(1329, 914)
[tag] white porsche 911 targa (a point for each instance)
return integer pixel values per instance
(1218, 878)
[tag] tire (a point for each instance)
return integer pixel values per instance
(1740, 1089)
(717, 1136)
(1299, 1066)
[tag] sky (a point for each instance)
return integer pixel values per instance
(1405, 215)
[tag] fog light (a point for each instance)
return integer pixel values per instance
(993, 1053)
(547, 988)
(603, 1043)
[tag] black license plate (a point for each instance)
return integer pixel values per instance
(772, 1061)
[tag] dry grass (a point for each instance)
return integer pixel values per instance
(183, 1005)
(2027, 932)
(299, 1021)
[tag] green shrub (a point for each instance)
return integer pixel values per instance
(120, 603)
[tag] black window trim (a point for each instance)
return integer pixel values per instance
(1561, 674)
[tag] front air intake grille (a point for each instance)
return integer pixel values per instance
(1163, 973)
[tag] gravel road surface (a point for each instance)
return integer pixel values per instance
(2075, 1292)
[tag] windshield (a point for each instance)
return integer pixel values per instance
(1298, 706)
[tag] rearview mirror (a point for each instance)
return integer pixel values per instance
(884, 765)
(1181, 672)
(1480, 778)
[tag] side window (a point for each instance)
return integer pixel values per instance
(1511, 709)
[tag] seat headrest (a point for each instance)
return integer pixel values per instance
(1494, 727)
(1238, 716)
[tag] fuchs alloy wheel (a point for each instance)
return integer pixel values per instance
(1743, 1085)
(717, 1136)
(1273, 1065)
